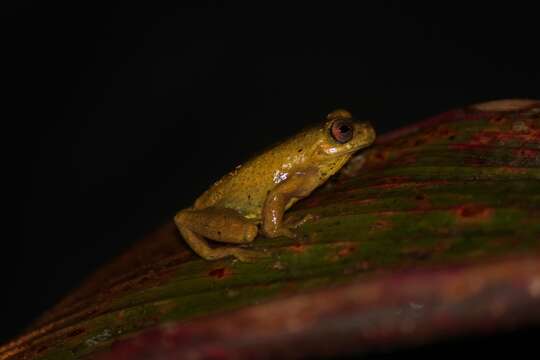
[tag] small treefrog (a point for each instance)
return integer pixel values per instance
(261, 190)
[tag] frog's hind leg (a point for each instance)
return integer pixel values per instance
(218, 224)
(224, 225)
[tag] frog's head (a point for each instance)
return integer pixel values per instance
(343, 135)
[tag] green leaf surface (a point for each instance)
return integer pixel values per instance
(449, 200)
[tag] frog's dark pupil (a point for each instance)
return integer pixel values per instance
(344, 129)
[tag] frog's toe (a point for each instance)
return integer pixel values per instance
(245, 255)
(290, 232)
(295, 222)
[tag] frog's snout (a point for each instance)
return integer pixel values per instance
(366, 132)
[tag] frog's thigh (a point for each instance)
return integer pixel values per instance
(189, 221)
(299, 185)
(218, 224)
(201, 247)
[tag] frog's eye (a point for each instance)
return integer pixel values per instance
(342, 131)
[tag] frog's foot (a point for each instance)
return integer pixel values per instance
(289, 228)
(286, 231)
(241, 254)
(245, 255)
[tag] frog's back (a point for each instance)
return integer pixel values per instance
(245, 188)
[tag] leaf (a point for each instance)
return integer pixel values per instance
(433, 232)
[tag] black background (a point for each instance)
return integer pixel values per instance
(119, 116)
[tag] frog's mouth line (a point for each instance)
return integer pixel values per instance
(346, 152)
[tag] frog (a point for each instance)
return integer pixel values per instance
(252, 199)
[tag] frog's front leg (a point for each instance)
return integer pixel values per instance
(299, 185)
(219, 224)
